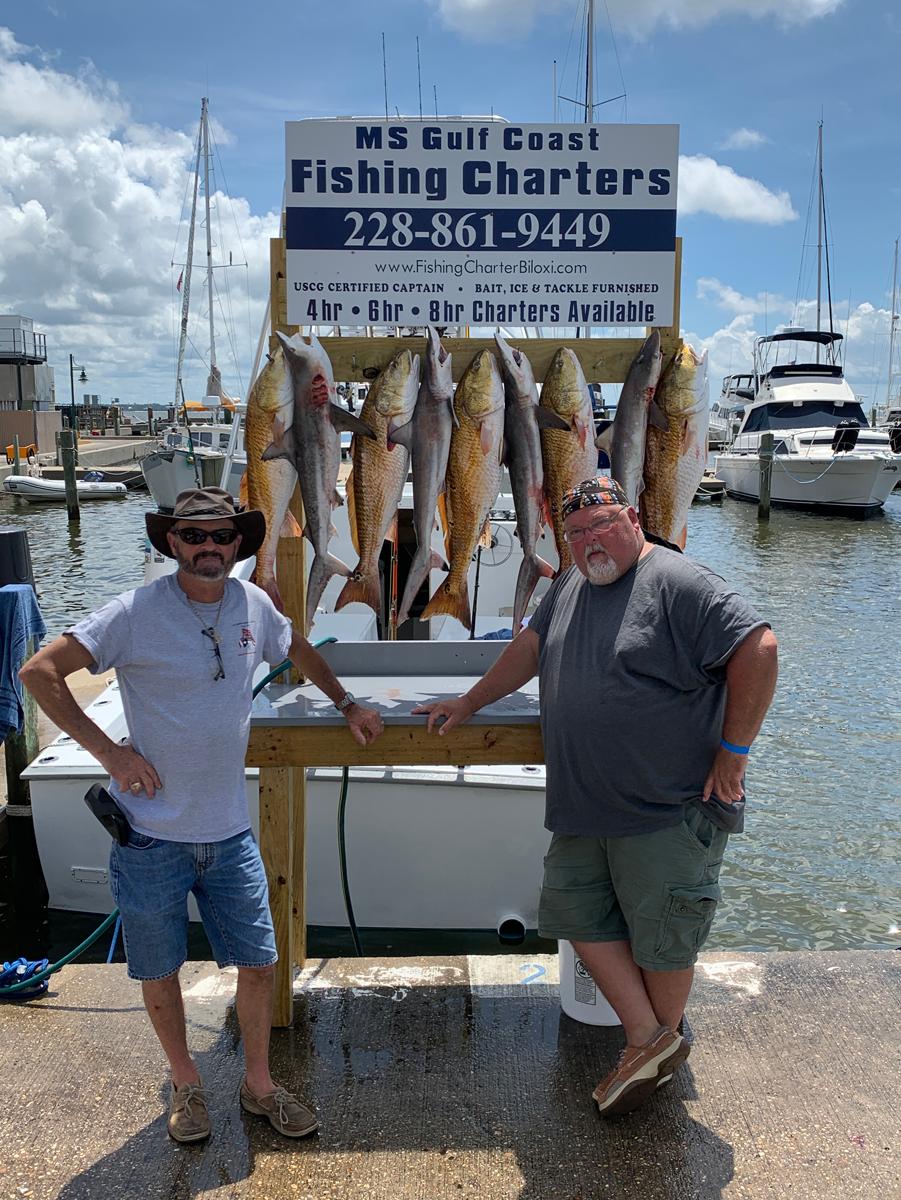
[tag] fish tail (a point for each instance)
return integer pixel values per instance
(269, 585)
(323, 568)
(446, 602)
(531, 569)
(424, 561)
(361, 589)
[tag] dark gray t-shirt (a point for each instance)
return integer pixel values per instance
(191, 727)
(633, 692)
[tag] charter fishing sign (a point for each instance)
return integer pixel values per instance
(475, 222)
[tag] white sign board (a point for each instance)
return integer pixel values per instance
(474, 222)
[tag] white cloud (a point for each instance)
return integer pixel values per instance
(90, 205)
(706, 186)
(508, 19)
(744, 139)
(733, 301)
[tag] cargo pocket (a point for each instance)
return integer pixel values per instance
(686, 922)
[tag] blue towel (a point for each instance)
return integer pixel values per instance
(20, 620)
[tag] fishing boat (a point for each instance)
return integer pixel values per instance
(38, 490)
(826, 456)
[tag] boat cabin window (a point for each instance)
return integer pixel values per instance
(202, 439)
(802, 416)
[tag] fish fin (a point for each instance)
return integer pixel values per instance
(391, 531)
(581, 430)
(485, 536)
(446, 518)
(337, 499)
(445, 603)
(454, 416)
(323, 568)
(437, 563)
(550, 420)
(282, 447)
(352, 510)
(604, 440)
(419, 570)
(657, 416)
(348, 423)
(485, 437)
(363, 589)
(290, 527)
(682, 538)
(402, 435)
(684, 440)
(332, 531)
(244, 491)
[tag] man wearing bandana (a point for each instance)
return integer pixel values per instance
(655, 677)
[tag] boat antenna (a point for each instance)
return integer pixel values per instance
(555, 92)
(819, 226)
(891, 328)
(419, 76)
(186, 283)
(385, 74)
(205, 127)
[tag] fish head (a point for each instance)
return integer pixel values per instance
(649, 356)
(438, 374)
(271, 389)
(565, 390)
(309, 363)
(684, 388)
(517, 372)
(398, 384)
(481, 389)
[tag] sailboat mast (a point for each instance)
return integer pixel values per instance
(819, 228)
(186, 285)
(589, 67)
(891, 333)
(205, 124)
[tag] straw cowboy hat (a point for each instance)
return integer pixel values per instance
(208, 504)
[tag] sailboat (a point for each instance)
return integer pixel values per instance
(208, 453)
(827, 458)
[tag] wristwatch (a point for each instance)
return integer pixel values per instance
(345, 702)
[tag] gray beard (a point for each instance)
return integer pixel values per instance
(205, 568)
(602, 572)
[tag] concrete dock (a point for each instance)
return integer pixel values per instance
(439, 1078)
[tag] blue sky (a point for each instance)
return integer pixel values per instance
(98, 104)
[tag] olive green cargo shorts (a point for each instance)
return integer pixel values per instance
(658, 890)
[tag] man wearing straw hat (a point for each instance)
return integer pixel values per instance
(185, 649)
(655, 678)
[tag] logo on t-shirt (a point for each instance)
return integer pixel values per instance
(246, 640)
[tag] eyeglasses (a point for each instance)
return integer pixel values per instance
(211, 633)
(193, 536)
(572, 536)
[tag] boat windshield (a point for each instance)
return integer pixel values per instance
(808, 415)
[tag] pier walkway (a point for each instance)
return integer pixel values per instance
(460, 1077)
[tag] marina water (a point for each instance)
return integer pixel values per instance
(817, 866)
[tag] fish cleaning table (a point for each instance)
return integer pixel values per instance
(293, 728)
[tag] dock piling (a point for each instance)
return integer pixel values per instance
(766, 476)
(67, 446)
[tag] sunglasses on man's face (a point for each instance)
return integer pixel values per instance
(193, 536)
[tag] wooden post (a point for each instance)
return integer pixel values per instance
(277, 850)
(16, 454)
(66, 441)
(766, 476)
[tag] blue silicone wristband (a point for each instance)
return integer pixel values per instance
(735, 749)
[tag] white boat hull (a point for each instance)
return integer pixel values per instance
(168, 472)
(857, 483)
(36, 490)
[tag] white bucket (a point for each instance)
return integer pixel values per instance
(580, 997)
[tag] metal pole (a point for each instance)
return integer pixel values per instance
(66, 441)
(16, 454)
(205, 126)
(589, 67)
(891, 331)
(186, 273)
(73, 411)
(819, 227)
(766, 476)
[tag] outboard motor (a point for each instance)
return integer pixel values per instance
(894, 439)
(845, 436)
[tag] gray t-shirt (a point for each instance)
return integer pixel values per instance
(191, 727)
(633, 692)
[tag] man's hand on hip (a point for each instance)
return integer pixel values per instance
(726, 776)
(131, 773)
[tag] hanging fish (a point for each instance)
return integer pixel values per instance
(523, 421)
(624, 441)
(377, 478)
(473, 480)
(313, 445)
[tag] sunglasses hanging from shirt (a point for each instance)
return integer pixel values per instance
(210, 631)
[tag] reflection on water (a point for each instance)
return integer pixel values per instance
(817, 867)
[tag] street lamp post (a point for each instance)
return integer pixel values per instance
(73, 413)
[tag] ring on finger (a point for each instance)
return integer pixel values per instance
(134, 787)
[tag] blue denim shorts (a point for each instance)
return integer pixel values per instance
(151, 880)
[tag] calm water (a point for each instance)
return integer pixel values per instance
(818, 865)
